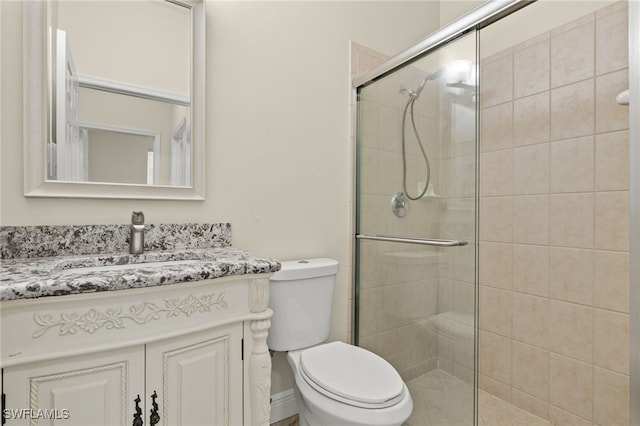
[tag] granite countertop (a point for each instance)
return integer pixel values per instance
(57, 276)
(40, 261)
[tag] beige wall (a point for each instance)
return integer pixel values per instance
(452, 10)
(554, 255)
(278, 153)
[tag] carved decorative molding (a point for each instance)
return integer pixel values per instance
(260, 371)
(142, 313)
(259, 295)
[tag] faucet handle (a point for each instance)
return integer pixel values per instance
(137, 218)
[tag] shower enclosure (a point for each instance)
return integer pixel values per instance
(416, 227)
(492, 207)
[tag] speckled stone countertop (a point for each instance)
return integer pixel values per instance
(203, 252)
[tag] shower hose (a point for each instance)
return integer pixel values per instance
(409, 107)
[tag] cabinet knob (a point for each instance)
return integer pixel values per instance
(137, 417)
(154, 418)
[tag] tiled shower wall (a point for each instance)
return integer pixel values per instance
(398, 283)
(416, 302)
(554, 260)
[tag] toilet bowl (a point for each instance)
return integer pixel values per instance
(370, 393)
(335, 383)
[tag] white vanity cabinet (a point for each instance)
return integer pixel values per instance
(199, 348)
(94, 389)
(198, 378)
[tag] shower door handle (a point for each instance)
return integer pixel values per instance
(421, 241)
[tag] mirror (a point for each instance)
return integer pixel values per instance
(114, 99)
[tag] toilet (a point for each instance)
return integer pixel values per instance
(335, 383)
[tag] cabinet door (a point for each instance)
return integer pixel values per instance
(87, 390)
(198, 377)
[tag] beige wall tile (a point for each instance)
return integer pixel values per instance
(530, 404)
(495, 356)
(531, 370)
(495, 268)
(366, 59)
(413, 299)
(612, 42)
(612, 161)
(610, 397)
(571, 385)
(495, 315)
(370, 307)
(576, 23)
(611, 338)
(572, 330)
(464, 297)
(572, 110)
(497, 215)
(560, 417)
(612, 220)
(532, 41)
(571, 275)
(370, 130)
(531, 121)
(390, 172)
(369, 171)
(496, 79)
(496, 127)
(388, 317)
(390, 129)
(494, 387)
(611, 280)
(531, 69)
(609, 114)
(498, 55)
(572, 55)
(572, 165)
(531, 169)
(465, 259)
(569, 139)
(496, 173)
(531, 323)
(614, 7)
(388, 344)
(531, 219)
(571, 220)
(531, 269)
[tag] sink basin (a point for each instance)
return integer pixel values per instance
(126, 266)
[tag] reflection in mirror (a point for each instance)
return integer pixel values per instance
(122, 84)
(126, 79)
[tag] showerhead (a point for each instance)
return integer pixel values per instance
(434, 75)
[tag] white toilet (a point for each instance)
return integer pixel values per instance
(336, 384)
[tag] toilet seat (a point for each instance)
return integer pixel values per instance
(351, 375)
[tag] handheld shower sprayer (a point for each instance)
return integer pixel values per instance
(434, 75)
(413, 95)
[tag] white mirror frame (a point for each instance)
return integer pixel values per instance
(35, 109)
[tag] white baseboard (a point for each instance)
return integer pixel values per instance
(283, 405)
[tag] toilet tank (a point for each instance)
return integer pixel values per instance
(301, 297)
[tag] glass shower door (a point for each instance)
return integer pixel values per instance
(416, 229)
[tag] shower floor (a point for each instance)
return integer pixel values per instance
(440, 399)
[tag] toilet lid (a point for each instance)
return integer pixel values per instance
(351, 375)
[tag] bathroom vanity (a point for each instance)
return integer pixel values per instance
(175, 336)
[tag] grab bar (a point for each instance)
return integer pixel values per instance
(421, 241)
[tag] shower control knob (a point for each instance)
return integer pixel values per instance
(400, 204)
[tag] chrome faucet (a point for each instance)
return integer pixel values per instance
(136, 236)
